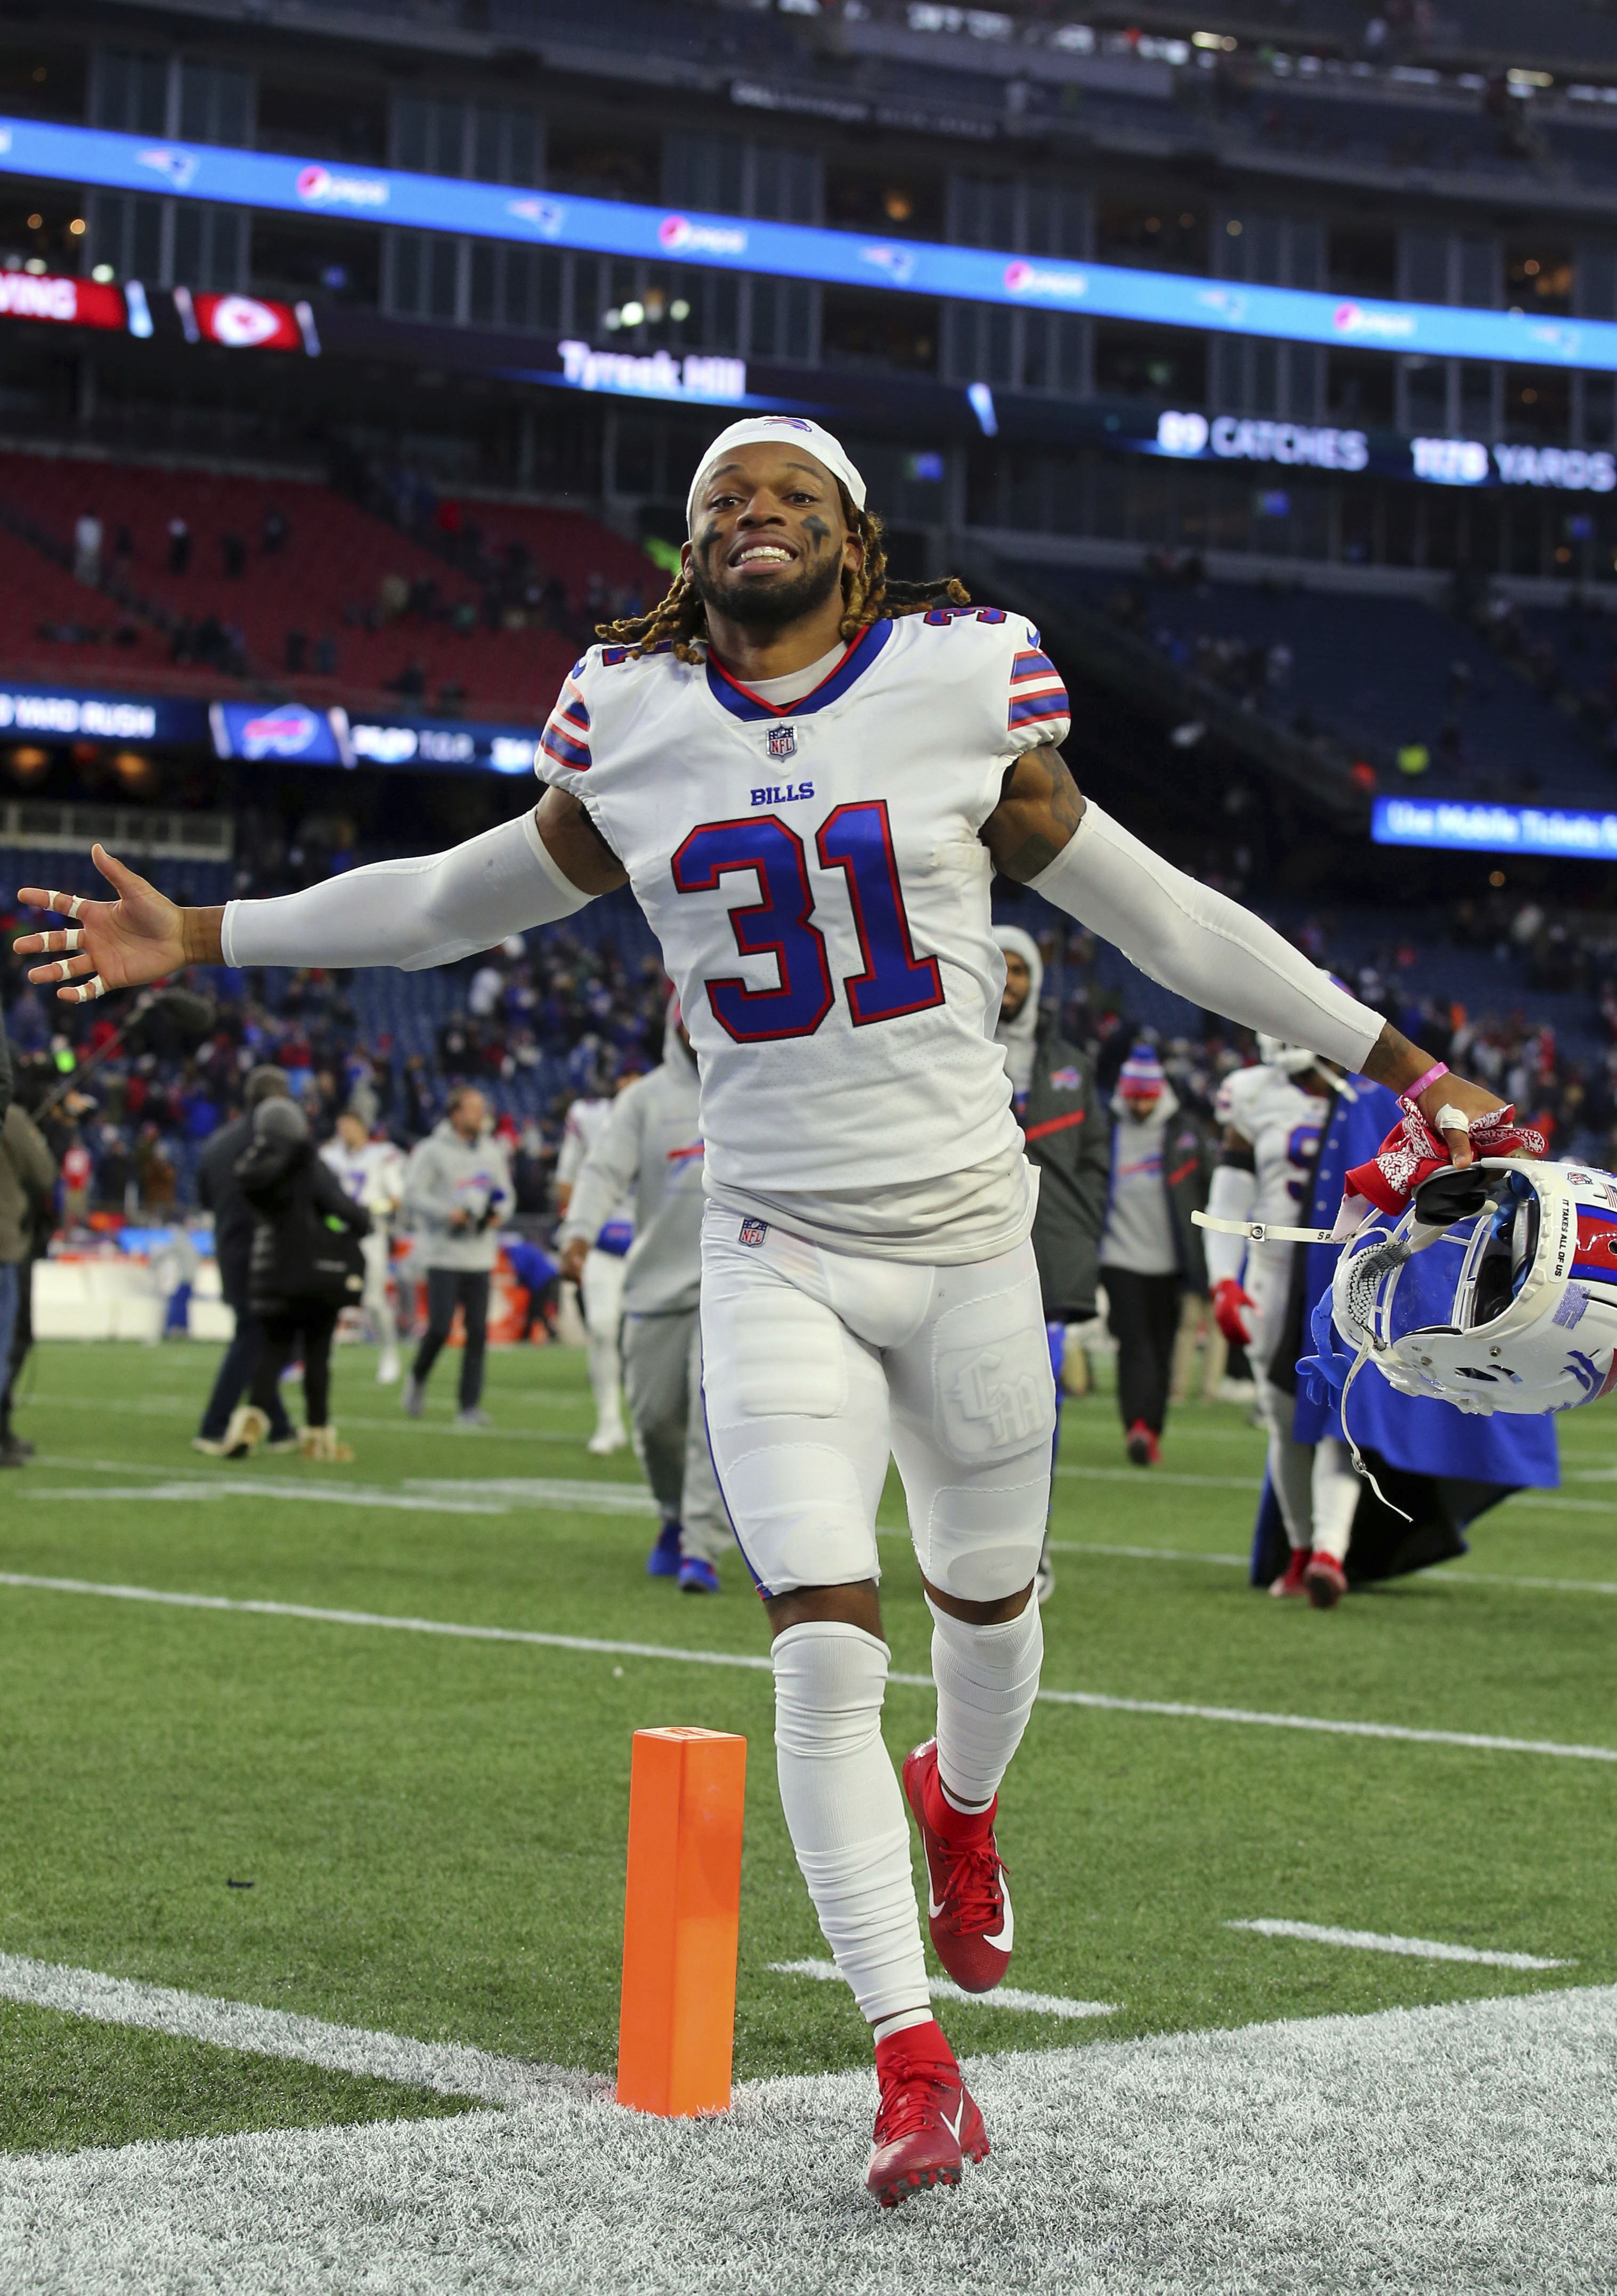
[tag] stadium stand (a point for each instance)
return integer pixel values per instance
(478, 612)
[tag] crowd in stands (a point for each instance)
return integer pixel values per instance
(374, 583)
(1484, 699)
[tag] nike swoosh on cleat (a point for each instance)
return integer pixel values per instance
(1008, 1928)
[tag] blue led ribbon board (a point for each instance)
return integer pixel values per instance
(447, 203)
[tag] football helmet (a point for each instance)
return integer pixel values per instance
(1293, 1060)
(1495, 1291)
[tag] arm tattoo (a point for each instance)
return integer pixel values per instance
(1039, 808)
(1394, 1060)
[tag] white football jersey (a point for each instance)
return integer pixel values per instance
(585, 1122)
(815, 875)
(372, 1173)
(1284, 1123)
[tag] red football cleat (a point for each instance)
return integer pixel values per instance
(1325, 1582)
(968, 1904)
(927, 2126)
(1290, 1582)
(1144, 1448)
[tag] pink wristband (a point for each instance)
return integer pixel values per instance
(1414, 1091)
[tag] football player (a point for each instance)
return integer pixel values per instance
(599, 1276)
(650, 1153)
(809, 773)
(1272, 1117)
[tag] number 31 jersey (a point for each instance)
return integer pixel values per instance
(814, 873)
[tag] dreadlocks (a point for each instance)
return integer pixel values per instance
(867, 597)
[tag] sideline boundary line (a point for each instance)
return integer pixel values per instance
(590, 1646)
(1002, 1997)
(449, 2067)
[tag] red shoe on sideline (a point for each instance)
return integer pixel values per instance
(927, 2126)
(1144, 1449)
(1325, 1582)
(967, 1903)
(1290, 1582)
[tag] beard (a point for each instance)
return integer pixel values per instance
(768, 606)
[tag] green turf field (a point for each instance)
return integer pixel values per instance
(433, 1828)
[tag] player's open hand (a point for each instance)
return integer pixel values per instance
(119, 944)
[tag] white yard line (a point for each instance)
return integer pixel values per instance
(262, 1487)
(940, 1989)
(547, 1491)
(449, 2067)
(1455, 1575)
(1174, 1710)
(1418, 1948)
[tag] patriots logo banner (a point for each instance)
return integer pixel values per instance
(781, 740)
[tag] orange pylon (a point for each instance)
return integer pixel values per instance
(681, 1920)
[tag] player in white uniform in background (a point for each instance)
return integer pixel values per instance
(600, 1280)
(1272, 1118)
(652, 1144)
(809, 773)
(373, 1173)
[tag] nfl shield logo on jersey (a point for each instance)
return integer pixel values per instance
(753, 1231)
(783, 741)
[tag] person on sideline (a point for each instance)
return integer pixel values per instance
(868, 1283)
(300, 1276)
(28, 1175)
(373, 1173)
(457, 1189)
(220, 1192)
(649, 1152)
(600, 1273)
(1162, 1156)
(1064, 1127)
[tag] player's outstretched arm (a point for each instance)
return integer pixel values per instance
(1200, 943)
(412, 914)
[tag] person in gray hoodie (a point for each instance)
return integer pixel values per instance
(1161, 1165)
(651, 1147)
(457, 1191)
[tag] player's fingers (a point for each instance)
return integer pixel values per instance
(50, 944)
(62, 968)
(37, 896)
(1455, 1131)
(85, 993)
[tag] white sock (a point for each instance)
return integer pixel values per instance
(601, 1353)
(844, 1810)
(1337, 1489)
(986, 1678)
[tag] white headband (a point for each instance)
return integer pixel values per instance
(781, 431)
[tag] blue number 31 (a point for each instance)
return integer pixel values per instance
(856, 838)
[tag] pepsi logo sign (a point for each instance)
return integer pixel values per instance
(680, 235)
(318, 187)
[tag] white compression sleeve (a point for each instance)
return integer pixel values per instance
(1230, 1197)
(412, 914)
(1200, 944)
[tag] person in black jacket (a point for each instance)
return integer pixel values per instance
(1067, 1136)
(306, 1267)
(219, 1193)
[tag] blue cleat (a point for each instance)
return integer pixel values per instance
(663, 1560)
(697, 1577)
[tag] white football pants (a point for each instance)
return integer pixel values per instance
(1315, 1484)
(601, 1295)
(374, 1302)
(663, 1386)
(819, 1365)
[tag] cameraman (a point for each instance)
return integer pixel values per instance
(457, 1190)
